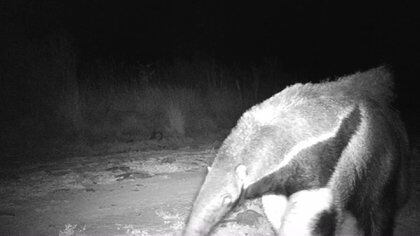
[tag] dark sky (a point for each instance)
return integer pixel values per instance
(310, 33)
(325, 37)
(302, 33)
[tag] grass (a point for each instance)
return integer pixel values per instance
(51, 98)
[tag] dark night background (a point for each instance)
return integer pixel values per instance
(305, 40)
(320, 36)
(111, 110)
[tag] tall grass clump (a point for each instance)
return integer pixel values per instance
(52, 96)
(69, 101)
(225, 105)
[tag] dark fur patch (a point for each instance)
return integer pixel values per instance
(325, 223)
(374, 201)
(312, 167)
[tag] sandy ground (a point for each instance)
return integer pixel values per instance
(132, 193)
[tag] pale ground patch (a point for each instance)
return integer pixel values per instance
(131, 193)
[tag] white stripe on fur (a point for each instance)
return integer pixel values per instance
(295, 150)
(305, 144)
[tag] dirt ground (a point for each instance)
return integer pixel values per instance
(132, 193)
